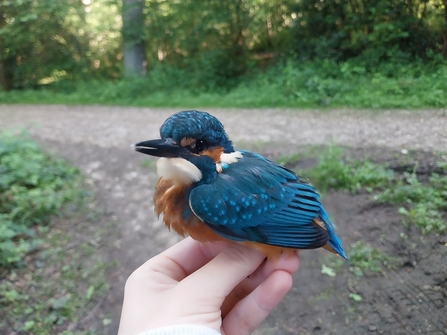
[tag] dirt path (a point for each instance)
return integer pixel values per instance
(97, 140)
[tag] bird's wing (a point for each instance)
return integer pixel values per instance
(257, 200)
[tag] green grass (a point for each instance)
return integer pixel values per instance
(421, 204)
(50, 275)
(335, 172)
(364, 259)
(290, 159)
(33, 187)
(292, 84)
(58, 287)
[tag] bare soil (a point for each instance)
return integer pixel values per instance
(410, 299)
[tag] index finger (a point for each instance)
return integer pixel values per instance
(184, 258)
(226, 270)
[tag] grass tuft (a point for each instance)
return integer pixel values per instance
(33, 187)
(422, 204)
(364, 259)
(318, 84)
(50, 277)
(335, 172)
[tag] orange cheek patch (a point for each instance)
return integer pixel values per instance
(187, 141)
(214, 153)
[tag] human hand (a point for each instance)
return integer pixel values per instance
(225, 287)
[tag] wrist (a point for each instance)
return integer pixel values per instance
(181, 330)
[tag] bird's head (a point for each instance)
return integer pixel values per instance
(193, 147)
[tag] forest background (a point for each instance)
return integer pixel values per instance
(234, 53)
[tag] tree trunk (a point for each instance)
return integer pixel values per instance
(133, 38)
(6, 77)
(6, 64)
(444, 46)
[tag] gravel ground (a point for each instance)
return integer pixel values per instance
(118, 126)
(97, 139)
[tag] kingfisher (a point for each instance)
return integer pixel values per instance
(211, 192)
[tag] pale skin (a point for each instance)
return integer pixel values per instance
(224, 286)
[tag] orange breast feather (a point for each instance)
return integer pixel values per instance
(170, 199)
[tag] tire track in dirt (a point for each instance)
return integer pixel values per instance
(406, 308)
(410, 298)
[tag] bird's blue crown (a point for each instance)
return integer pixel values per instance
(196, 125)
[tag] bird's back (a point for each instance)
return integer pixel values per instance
(257, 200)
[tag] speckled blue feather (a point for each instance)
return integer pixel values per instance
(257, 200)
(252, 199)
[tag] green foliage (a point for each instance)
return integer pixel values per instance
(215, 40)
(291, 84)
(371, 32)
(33, 187)
(332, 172)
(53, 287)
(364, 259)
(289, 159)
(423, 204)
(45, 41)
(328, 271)
(238, 53)
(362, 53)
(48, 44)
(356, 297)
(326, 83)
(58, 287)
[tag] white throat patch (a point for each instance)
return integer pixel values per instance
(227, 159)
(178, 170)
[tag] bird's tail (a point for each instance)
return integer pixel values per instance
(334, 241)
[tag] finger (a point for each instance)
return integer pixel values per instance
(183, 258)
(287, 262)
(225, 271)
(250, 312)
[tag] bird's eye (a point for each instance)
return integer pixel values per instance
(201, 145)
(198, 146)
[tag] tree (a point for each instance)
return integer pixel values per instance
(216, 41)
(373, 30)
(40, 40)
(444, 45)
(6, 63)
(133, 37)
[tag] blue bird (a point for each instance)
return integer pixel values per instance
(211, 191)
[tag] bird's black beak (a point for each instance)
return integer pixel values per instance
(160, 148)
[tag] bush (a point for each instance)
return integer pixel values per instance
(33, 187)
(334, 172)
(422, 204)
(290, 83)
